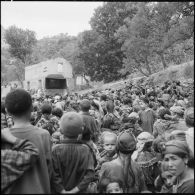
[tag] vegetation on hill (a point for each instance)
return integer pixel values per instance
(125, 37)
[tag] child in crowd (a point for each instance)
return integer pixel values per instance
(111, 185)
(130, 123)
(45, 122)
(109, 147)
(55, 119)
(73, 162)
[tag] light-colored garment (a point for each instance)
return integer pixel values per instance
(190, 139)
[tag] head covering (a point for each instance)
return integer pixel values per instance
(176, 146)
(145, 137)
(177, 109)
(181, 103)
(126, 142)
(189, 116)
(162, 112)
(71, 124)
(178, 134)
(134, 115)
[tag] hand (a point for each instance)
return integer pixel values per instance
(7, 136)
(67, 192)
(166, 116)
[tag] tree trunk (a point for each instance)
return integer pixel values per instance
(140, 70)
(87, 81)
(163, 60)
(148, 67)
(74, 78)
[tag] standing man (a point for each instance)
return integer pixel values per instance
(90, 125)
(147, 116)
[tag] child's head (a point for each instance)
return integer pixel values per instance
(71, 125)
(46, 109)
(110, 106)
(144, 103)
(109, 141)
(168, 179)
(18, 103)
(111, 185)
(57, 112)
(85, 105)
(189, 117)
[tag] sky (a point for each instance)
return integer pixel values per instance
(48, 18)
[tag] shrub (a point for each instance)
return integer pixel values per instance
(189, 71)
(173, 75)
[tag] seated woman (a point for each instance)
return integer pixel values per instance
(175, 157)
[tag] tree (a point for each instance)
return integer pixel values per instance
(173, 22)
(152, 32)
(137, 43)
(99, 49)
(21, 43)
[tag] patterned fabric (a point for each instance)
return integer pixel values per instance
(111, 121)
(15, 161)
(133, 128)
(147, 161)
(10, 121)
(46, 124)
(55, 120)
(56, 137)
(3, 121)
(6, 121)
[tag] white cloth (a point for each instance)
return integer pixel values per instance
(190, 139)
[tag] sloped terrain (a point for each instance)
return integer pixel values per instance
(183, 73)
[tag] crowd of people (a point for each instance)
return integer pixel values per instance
(137, 139)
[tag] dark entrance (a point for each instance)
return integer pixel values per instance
(55, 81)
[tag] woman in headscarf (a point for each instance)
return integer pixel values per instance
(147, 159)
(123, 167)
(111, 120)
(178, 113)
(161, 125)
(175, 157)
(97, 112)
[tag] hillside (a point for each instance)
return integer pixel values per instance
(183, 72)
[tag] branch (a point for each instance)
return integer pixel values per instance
(138, 67)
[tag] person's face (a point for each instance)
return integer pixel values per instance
(168, 178)
(142, 105)
(175, 164)
(113, 188)
(109, 144)
(166, 102)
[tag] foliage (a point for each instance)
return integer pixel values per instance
(189, 71)
(152, 31)
(125, 37)
(21, 43)
(98, 49)
(61, 45)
